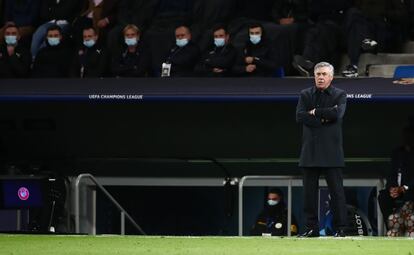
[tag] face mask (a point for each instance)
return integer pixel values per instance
(131, 41)
(272, 202)
(10, 39)
(181, 42)
(219, 42)
(89, 43)
(255, 39)
(53, 41)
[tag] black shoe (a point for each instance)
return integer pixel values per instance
(303, 65)
(351, 71)
(310, 233)
(340, 233)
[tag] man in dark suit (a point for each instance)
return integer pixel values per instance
(320, 111)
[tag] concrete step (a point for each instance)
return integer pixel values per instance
(408, 47)
(367, 60)
(385, 71)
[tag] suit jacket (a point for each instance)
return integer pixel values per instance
(322, 133)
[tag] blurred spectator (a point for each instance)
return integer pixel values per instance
(206, 14)
(91, 60)
(374, 26)
(292, 16)
(168, 15)
(54, 12)
(24, 14)
(52, 60)
(323, 38)
(400, 181)
(14, 59)
(257, 58)
(135, 12)
(100, 14)
(133, 59)
(219, 59)
(183, 56)
(273, 218)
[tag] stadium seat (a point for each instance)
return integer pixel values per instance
(404, 72)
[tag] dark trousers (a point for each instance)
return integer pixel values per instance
(333, 178)
(323, 42)
(388, 204)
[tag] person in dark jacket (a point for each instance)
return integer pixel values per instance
(102, 15)
(14, 59)
(160, 35)
(324, 37)
(257, 58)
(24, 14)
(292, 17)
(91, 60)
(182, 57)
(135, 12)
(320, 111)
(54, 12)
(218, 60)
(205, 15)
(273, 218)
(133, 59)
(52, 60)
(374, 26)
(400, 179)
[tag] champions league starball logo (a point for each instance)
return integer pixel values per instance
(23, 193)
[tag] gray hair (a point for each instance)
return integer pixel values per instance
(324, 64)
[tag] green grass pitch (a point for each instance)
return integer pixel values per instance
(58, 244)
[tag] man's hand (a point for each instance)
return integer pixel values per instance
(10, 49)
(249, 60)
(286, 21)
(250, 68)
(312, 112)
(217, 70)
(103, 23)
(396, 191)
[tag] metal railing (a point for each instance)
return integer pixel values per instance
(109, 196)
(296, 181)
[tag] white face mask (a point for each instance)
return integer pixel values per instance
(255, 39)
(181, 42)
(219, 42)
(272, 202)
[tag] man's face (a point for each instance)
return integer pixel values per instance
(89, 34)
(12, 31)
(221, 34)
(130, 33)
(273, 196)
(54, 34)
(323, 77)
(255, 31)
(182, 33)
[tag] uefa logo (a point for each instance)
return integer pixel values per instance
(23, 193)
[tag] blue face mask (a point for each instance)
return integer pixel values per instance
(255, 39)
(10, 39)
(219, 42)
(53, 41)
(89, 43)
(272, 202)
(181, 42)
(131, 41)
